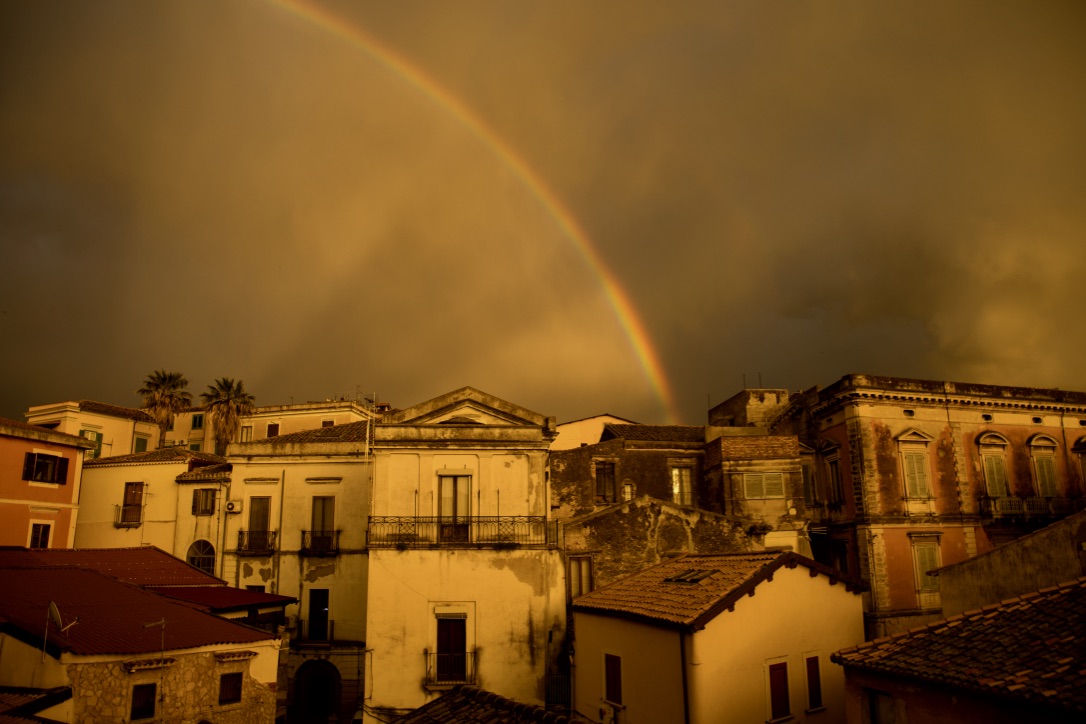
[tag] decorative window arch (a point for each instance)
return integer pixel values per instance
(1042, 450)
(202, 555)
(913, 447)
(993, 458)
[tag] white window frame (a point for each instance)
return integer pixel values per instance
(49, 536)
(777, 660)
(914, 454)
(926, 546)
(682, 484)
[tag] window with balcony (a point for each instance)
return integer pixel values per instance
(259, 539)
(993, 455)
(454, 507)
(1043, 452)
(452, 649)
(45, 468)
(321, 538)
(130, 513)
(682, 481)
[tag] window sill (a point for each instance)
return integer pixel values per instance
(790, 717)
(816, 710)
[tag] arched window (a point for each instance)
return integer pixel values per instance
(1043, 451)
(993, 457)
(202, 555)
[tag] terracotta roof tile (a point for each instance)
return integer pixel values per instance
(220, 472)
(112, 615)
(655, 433)
(1024, 648)
(143, 566)
(172, 454)
(350, 432)
(104, 408)
(688, 591)
(471, 705)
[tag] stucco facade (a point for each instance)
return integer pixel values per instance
(717, 668)
(114, 430)
(40, 477)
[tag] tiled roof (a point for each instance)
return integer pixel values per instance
(172, 454)
(17, 428)
(222, 598)
(143, 566)
(207, 472)
(1027, 648)
(694, 599)
(113, 616)
(350, 432)
(104, 408)
(471, 705)
(20, 704)
(655, 433)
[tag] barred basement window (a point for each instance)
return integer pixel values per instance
(143, 701)
(229, 688)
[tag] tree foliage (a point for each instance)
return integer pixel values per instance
(164, 395)
(226, 403)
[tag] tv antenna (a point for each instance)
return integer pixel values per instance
(52, 613)
(161, 623)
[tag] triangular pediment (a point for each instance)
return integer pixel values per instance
(914, 435)
(467, 407)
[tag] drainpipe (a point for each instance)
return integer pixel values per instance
(683, 638)
(279, 543)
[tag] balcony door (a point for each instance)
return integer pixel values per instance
(324, 523)
(454, 506)
(259, 519)
(452, 646)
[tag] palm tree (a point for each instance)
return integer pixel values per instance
(164, 395)
(227, 402)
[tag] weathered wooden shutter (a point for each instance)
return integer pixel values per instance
(1046, 476)
(28, 466)
(995, 476)
(774, 485)
(62, 471)
(814, 683)
(778, 691)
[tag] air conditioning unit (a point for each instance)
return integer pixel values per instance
(233, 506)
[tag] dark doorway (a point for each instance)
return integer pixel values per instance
(452, 642)
(318, 615)
(317, 692)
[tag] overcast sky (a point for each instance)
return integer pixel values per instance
(792, 191)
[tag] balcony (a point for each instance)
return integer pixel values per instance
(127, 516)
(1014, 507)
(447, 670)
(320, 542)
(315, 631)
(256, 542)
(403, 532)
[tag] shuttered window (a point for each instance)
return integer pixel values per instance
(45, 468)
(926, 558)
(1046, 476)
(763, 485)
(995, 476)
(916, 474)
(779, 706)
(605, 482)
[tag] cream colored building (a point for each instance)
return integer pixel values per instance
(743, 637)
(585, 431)
(113, 429)
(170, 498)
(466, 582)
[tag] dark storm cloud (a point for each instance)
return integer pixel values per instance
(795, 189)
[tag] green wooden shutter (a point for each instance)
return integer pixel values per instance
(995, 476)
(1046, 476)
(927, 558)
(754, 485)
(916, 475)
(774, 485)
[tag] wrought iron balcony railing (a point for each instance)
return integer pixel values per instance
(1013, 506)
(449, 669)
(256, 542)
(320, 542)
(128, 516)
(527, 531)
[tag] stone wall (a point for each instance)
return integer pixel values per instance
(187, 690)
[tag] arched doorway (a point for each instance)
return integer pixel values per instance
(317, 693)
(202, 555)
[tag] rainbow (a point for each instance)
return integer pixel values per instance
(626, 313)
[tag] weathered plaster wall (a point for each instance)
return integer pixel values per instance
(628, 537)
(1049, 556)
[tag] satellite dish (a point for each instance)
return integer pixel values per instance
(54, 615)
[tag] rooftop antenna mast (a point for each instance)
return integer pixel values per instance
(52, 613)
(161, 623)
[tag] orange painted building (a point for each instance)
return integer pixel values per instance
(40, 472)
